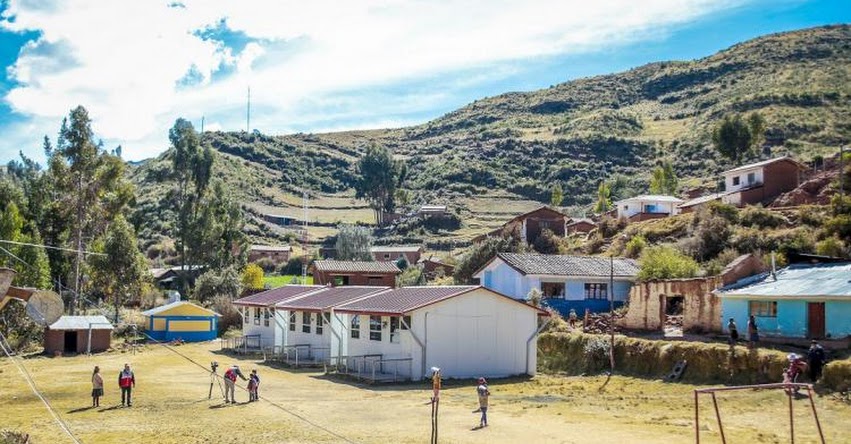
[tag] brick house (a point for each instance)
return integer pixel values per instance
(78, 334)
(580, 226)
(762, 181)
(277, 253)
(340, 273)
(530, 225)
(392, 253)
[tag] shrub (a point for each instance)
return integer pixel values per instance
(214, 283)
(546, 242)
(267, 264)
(293, 266)
(411, 276)
(610, 226)
(482, 253)
(830, 247)
(727, 211)
(635, 246)
(252, 277)
(760, 217)
(712, 235)
(230, 315)
(664, 262)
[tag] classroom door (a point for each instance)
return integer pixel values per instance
(815, 320)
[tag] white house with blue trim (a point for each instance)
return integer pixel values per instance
(799, 301)
(566, 282)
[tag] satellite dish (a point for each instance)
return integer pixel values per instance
(45, 307)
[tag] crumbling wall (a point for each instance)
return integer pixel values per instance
(701, 308)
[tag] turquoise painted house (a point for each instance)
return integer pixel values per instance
(799, 301)
(181, 320)
(566, 282)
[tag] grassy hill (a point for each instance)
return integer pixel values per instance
(499, 156)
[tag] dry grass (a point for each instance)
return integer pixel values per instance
(171, 406)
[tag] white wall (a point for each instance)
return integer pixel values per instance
(507, 280)
(267, 334)
(319, 343)
(632, 207)
(743, 179)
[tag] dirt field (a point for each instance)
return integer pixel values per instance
(171, 406)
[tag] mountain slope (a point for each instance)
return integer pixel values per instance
(499, 155)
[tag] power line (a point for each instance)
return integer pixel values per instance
(50, 247)
(31, 382)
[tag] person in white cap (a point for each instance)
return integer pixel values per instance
(230, 383)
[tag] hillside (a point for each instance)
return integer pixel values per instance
(499, 156)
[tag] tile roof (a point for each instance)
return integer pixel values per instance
(396, 248)
(168, 307)
(328, 298)
(764, 163)
(81, 323)
(276, 295)
(569, 265)
(653, 197)
(798, 280)
(356, 266)
(405, 299)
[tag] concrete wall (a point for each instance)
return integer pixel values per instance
(320, 344)
(743, 179)
(269, 335)
(701, 308)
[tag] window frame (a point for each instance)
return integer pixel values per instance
(596, 291)
(293, 320)
(751, 178)
(256, 315)
(395, 337)
(375, 334)
(266, 315)
(320, 323)
(246, 315)
(737, 180)
(762, 309)
(354, 327)
(406, 324)
(305, 326)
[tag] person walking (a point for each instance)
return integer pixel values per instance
(126, 381)
(734, 332)
(815, 360)
(230, 383)
(97, 387)
(571, 318)
(753, 332)
(253, 385)
(483, 394)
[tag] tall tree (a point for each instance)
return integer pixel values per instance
(664, 179)
(556, 195)
(735, 137)
(604, 198)
(353, 243)
(29, 261)
(378, 177)
(121, 269)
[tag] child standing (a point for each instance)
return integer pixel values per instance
(97, 387)
(253, 385)
(483, 393)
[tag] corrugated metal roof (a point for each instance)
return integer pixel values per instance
(764, 163)
(653, 197)
(167, 307)
(329, 297)
(396, 249)
(558, 265)
(797, 280)
(403, 300)
(356, 266)
(81, 323)
(276, 295)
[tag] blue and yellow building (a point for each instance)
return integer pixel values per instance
(181, 320)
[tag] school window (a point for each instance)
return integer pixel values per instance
(293, 320)
(394, 329)
(305, 322)
(320, 322)
(596, 291)
(736, 181)
(355, 327)
(256, 315)
(751, 178)
(246, 315)
(375, 328)
(406, 322)
(764, 309)
(266, 314)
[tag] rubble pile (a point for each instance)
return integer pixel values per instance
(598, 323)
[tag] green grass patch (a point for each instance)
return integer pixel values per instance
(280, 281)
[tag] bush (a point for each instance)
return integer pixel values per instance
(761, 218)
(252, 277)
(12, 437)
(230, 315)
(293, 266)
(635, 246)
(831, 247)
(411, 276)
(663, 262)
(727, 211)
(267, 264)
(712, 235)
(547, 242)
(222, 283)
(837, 375)
(482, 253)
(610, 226)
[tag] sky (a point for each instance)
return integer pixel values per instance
(322, 66)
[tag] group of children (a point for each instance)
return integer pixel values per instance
(230, 384)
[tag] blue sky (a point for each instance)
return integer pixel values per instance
(324, 65)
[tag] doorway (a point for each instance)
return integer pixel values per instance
(815, 320)
(70, 342)
(673, 320)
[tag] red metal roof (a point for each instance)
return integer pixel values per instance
(356, 267)
(403, 300)
(328, 298)
(276, 295)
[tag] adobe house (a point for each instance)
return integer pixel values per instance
(650, 302)
(762, 181)
(78, 334)
(278, 254)
(340, 273)
(580, 226)
(530, 225)
(392, 253)
(432, 264)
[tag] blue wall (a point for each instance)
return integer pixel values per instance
(188, 336)
(791, 320)
(563, 306)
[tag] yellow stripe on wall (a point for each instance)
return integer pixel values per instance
(189, 326)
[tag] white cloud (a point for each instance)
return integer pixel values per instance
(126, 60)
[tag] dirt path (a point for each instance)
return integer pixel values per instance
(171, 406)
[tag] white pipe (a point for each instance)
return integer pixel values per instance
(529, 341)
(339, 337)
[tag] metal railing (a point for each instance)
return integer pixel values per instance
(373, 367)
(298, 355)
(242, 344)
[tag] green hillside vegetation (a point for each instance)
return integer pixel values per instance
(500, 156)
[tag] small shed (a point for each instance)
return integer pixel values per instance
(181, 320)
(78, 334)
